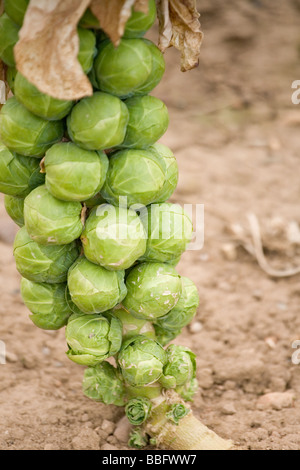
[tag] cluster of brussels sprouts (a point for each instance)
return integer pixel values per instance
(87, 183)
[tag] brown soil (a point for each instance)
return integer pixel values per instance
(235, 133)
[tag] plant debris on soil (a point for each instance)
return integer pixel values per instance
(235, 133)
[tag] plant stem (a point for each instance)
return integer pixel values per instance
(189, 434)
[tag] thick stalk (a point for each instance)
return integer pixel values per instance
(189, 434)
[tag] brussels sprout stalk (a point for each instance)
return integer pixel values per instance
(188, 434)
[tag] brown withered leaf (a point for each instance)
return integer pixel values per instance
(46, 53)
(113, 15)
(180, 27)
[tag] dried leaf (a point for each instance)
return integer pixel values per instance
(46, 53)
(112, 16)
(180, 27)
(142, 5)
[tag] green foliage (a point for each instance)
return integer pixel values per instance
(16, 10)
(9, 36)
(177, 412)
(138, 410)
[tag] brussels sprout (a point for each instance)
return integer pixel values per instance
(74, 174)
(137, 175)
(113, 237)
(97, 200)
(27, 134)
(185, 310)
(122, 70)
(170, 230)
(104, 384)
(177, 412)
(50, 221)
(94, 289)
(89, 20)
(39, 263)
(9, 36)
(180, 367)
(87, 49)
(47, 304)
(93, 338)
(188, 390)
(171, 180)
(141, 361)
(18, 175)
(133, 326)
(153, 290)
(174, 262)
(15, 208)
(10, 77)
(138, 439)
(157, 70)
(139, 22)
(138, 410)
(16, 10)
(164, 336)
(98, 122)
(148, 121)
(39, 103)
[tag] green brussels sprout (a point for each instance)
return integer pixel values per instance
(9, 36)
(74, 174)
(97, 200)
(87, 49)
(153, 290)
(24, 133)
(170, 230)
(127, 69)
(18, 175)
(133, 326)
(164, 336)
(139, 22)
(39, 263)
(141, 361)
(178, 411)
(93, 338)
(50, 221)
(98, 122)
(188, 390)
(180, 367)
(47, 304)
(93, 289)
(174, 262)
(103, 383)
(134, 177)
(39, 103)
(15, 208)
(148, 121)
(138, 410)
(185, 310)
(89, 20)
(113, 237)
(16, 10)
(10, 77)
(172, 173)
(138, 439)
(157, 70)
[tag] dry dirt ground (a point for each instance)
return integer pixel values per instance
(235, 132)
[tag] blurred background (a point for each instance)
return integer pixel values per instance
(235, 133)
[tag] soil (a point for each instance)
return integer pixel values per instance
(235, 133)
